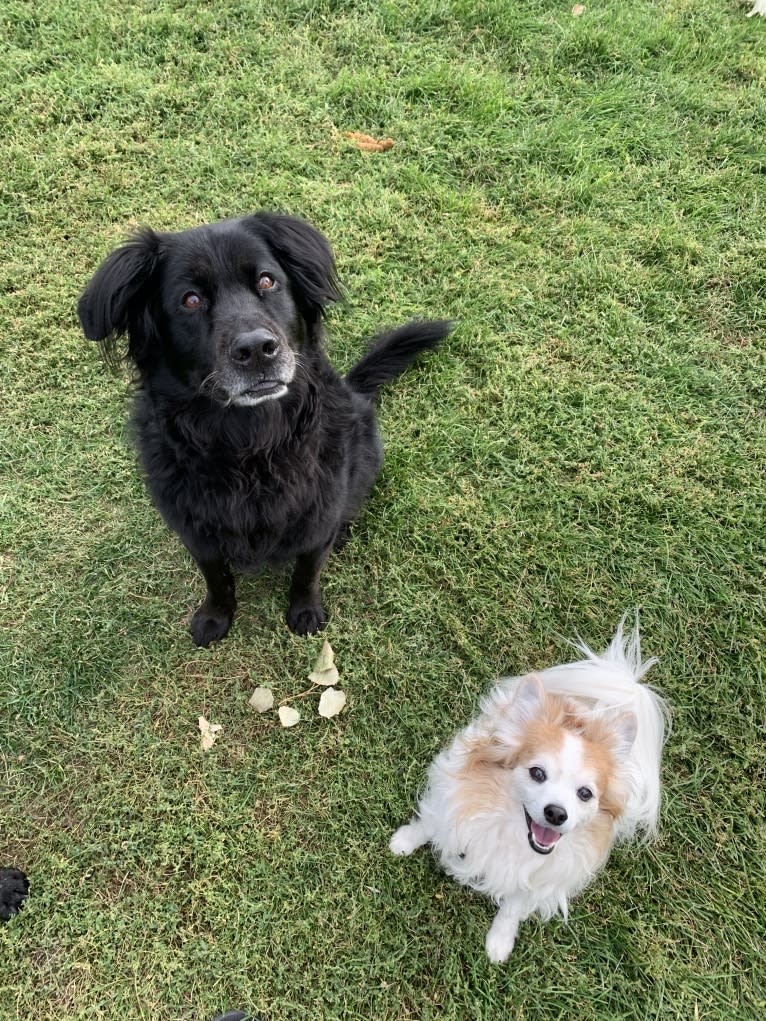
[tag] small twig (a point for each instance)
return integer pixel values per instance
(302, 694)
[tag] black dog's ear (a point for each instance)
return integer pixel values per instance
(306, 256)
(117, 300)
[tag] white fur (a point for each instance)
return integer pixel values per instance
(608, 682)
(248, 400)
(490, 850)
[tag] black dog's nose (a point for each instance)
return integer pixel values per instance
(555, 815)
(248, 350)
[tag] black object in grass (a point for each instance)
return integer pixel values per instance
(14, 890)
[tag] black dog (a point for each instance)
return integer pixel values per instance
(253, 447)
(14, 890)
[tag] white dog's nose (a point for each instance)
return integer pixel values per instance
(555, 815)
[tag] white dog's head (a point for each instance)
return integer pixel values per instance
(567, 766)
(554, 764)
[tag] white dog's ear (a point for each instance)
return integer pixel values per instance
(624, 728)
(529, 699)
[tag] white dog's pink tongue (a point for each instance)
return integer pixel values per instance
(543, 836)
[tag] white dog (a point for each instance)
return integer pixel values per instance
(526, 803)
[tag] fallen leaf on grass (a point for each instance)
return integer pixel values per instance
(262, 699)
(577, 10)
(367, 143)
(288, 716)
(325, 672)
(325, 677)
(331, 702)
(209, 733)
(326, 657)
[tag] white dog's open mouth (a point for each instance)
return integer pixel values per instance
(541, 838)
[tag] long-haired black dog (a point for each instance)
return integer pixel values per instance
(254, 449)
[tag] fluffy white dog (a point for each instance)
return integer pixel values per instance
(527, 802)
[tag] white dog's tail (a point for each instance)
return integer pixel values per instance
(611, 682)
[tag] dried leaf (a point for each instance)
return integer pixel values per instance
(325, 677)
(577, 10)
(325, 672)
(288, 716)
(209, 733)
(326, 657)
(367, 143)
(331, 702)
(262, 699)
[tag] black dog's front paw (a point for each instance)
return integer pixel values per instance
(209, 625)
(306, 620)
(14, 890)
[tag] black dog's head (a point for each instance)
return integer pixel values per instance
(228, 309)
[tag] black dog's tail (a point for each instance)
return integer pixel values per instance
(392, 352)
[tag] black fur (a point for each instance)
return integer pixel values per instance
(14, 890)
(253, 447)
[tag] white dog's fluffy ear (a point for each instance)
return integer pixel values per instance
(625, 728)
(529, 699)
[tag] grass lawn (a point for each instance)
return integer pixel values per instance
(586, 197)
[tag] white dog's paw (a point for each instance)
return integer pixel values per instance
(407, 839)
(499, 942)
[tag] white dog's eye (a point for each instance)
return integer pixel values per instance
(538, 775)
(584, 793)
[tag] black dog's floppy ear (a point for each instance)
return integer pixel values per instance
(306, 256)
(116, 301)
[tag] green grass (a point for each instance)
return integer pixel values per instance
(587, 198)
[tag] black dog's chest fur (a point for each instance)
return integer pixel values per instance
(263, 484)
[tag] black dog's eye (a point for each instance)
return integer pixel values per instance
(265, 282)
(191, 300)
(584, 793)
(538, 775)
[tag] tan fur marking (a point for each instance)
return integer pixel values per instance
(483, 775)
(481, 791)
(600, 830)
(599, 753)
(540, 736)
